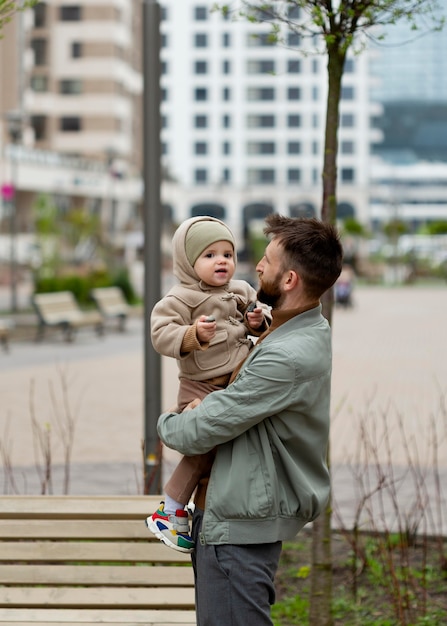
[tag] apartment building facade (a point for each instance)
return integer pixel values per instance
(244, 120)
(71, 81)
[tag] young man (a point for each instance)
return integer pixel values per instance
(271, 427)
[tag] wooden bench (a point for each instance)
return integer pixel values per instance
(60, 309)
(67, 560)
(111, 304)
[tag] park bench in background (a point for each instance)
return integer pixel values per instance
(60, 309)
(111, 304)
(89, 560)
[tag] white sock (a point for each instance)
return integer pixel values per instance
(172, 505)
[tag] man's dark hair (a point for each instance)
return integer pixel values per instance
(311, 247)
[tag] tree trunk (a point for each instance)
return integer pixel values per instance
(320, 612)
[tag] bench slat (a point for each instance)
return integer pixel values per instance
(78, 507)
(92, 617)
(125, 551)
(118, 597)
(67, 529)
(98, 575)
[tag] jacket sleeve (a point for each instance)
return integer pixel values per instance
(170, 320)
(263, 388)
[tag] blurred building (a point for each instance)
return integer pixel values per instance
(71, 82)
(244, 120)
(409, 173)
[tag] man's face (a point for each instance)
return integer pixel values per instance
(270, 275)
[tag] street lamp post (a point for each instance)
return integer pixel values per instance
(152, 236)
(14, 121)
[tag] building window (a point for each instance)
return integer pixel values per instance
(226, 67)
(39, 47)
(255, 94)
(164, 94)
(349, 66)
(293, 13)
(226, 40)
(261, 121)
(255, 40)
(261, 147)
(201, 176)
(315, 66)
(39, 83)
(294, 147)
(316, 176)
(164, 148)
(293, 175)
(347, 92)
(201, 94)
(347, 120)
(164, 67)
(70, 124)
(40, 15)
(38, 124)
(226, 148)
(76, 50)
(200, 13)
(293, 66)
(260, 66)
(70, 86)
(226, 94)
(347, 174)
(201, 67)
(226, 175)
(315, 120)
(70, 13)
(164, 41)
(293, 40)
(201, 121)
(261, 176)
(164, 121)
(226, 121)
(315, 148)
(347, 147)
(200, 40)
(293, 93)
(294, 121)
(201, 147)
(164, 15)
(315, 93)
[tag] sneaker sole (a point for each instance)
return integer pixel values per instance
(152, 526)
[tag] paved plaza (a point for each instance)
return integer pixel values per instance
(388, 400)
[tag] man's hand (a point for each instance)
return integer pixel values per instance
(193, 404)
(206, 328)
(255, 317)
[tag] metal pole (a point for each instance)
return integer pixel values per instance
(152, 236)
(13, 231)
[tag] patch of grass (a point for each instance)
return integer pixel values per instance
(396, 584)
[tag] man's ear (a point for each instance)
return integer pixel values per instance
(291, 280)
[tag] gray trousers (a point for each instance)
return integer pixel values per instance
(233, 583)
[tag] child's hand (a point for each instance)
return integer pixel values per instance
(206, 328)
(192, 404)
(256, 317)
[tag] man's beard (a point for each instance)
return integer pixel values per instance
(270, 293)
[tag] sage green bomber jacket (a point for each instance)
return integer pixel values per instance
(271, 429)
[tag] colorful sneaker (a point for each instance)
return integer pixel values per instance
(173, 530)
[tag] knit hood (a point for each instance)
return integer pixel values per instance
(182, 268)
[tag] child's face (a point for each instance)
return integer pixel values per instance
(215, 266)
